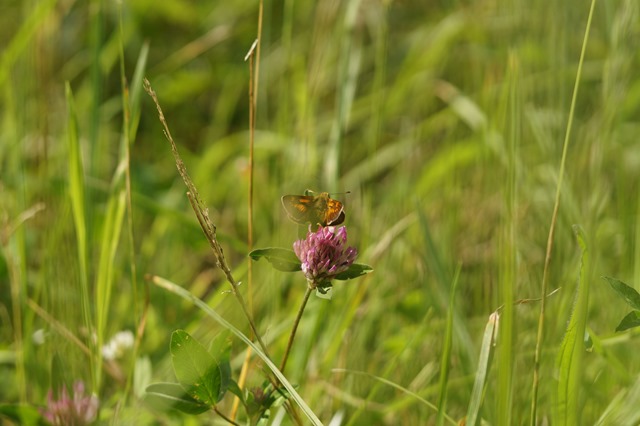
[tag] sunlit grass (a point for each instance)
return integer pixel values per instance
(446, 124)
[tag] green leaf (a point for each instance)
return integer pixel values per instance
(196, 370)
(325, 292)
(284, 260)
(220, 349)
(171, 396)
(631, 320)
(181, 292)
(141, 376)
(235, 389)
(355, 270)
(629, 294)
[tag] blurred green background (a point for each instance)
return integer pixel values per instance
(444, 119)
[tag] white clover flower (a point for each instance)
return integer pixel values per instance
(118, 345)
(38, 337)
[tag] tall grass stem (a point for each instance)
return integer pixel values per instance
(552, 227)
(202, 214)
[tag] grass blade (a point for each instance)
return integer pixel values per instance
(395, 386)
(446, 353)
(135, 98)
(77, 196)
(175, 289)
(509, 242)
(486, 354)
(434, 262)
(109, 243)
(623, 408)
(570, 358)
(76, 189)
(131, 100)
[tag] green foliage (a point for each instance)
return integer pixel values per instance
(261, 401)
(355, 270)
(165, 396)
(632, 297)
(203, 377)
(570, 357)
(445, 121)
(628, 294)
(623, 409)
(21, 414)
(284, 260)
(631, 320)
(196, 370)
(224, 323)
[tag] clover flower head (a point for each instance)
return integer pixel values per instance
(118, 345)
(324, 254)
(77, 411)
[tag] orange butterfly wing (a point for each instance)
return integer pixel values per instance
(319, 209)
(334, 213)
(298, 207)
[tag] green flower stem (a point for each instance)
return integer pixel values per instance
(310, 288)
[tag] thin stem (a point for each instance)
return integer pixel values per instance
(254, 68)
(218, 412)
(552, 228)
(126, 112)
(252, 127)
(295, 327)
(252, 130)
(202, 214)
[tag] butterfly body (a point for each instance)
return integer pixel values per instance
(314, 209)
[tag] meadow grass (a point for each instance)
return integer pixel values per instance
(490, 154)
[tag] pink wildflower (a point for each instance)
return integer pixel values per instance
(324, 255)
(77, 411)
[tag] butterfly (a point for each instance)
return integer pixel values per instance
(314, 209)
